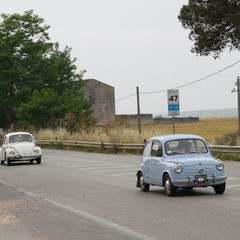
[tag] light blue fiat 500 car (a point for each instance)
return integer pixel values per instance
(179, 161)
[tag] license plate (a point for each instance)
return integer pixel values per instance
(200, 178)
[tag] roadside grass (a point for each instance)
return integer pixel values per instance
(214, 130)
(209, 128)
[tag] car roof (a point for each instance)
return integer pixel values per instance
(16, 133)
(169, 137)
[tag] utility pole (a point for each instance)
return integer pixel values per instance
(138, 112)
(238, 93)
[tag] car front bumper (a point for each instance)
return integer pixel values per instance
(24, 158)
(191, 182)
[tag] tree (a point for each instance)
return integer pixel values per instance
(49, 109)
(214, 25)
(39, 84)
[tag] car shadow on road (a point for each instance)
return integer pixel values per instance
(20, 164)
(197, 192)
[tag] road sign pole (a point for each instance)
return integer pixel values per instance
(173, 121)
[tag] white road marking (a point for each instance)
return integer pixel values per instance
(124, 174)
(234, 186)
(120, 168)
(101, 221)
(232, 178)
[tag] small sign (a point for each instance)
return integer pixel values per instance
(173, 102)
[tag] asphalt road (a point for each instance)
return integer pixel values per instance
(76, 195)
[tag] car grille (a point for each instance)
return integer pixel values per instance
(199, 170)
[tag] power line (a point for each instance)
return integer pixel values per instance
(196, 81)
(125, 97)
(184, 85)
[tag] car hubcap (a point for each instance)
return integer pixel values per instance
(141, 182)
(167, 185)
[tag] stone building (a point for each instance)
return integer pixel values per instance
(103, 98)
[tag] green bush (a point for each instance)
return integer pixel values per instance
(228, 139)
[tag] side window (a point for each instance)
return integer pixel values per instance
(147, 149)
(156, 149)
(11, 139)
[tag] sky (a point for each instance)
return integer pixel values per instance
(137, 43)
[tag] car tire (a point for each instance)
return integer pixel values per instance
(2, 162)
(8, 162)
(170, 189)
(144, 186)
(220, 189)
(39, 160)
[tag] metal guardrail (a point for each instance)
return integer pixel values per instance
(130, 146)
(225, 149)
(134, 146)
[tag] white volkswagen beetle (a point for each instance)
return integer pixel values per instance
(19, 146)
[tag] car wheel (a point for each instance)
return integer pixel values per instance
(144, 186)
(39, 160)
(8, 162)
(219, 189)
(2, 161)
(170, 189)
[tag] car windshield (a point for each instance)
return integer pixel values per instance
(20, 138)
(185, 146)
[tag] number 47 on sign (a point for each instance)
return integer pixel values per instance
(173, 102)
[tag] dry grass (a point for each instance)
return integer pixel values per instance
(210, 129)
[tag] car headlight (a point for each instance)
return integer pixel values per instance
(178, 169)
(12, 152)
(220, 166)
(36, 151)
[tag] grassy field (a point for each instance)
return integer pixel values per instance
(210, 129)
